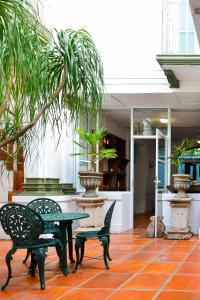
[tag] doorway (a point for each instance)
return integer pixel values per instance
(150, 163)
(144, 170)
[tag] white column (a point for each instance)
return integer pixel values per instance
(52, 160)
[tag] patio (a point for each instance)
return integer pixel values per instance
(142, 268)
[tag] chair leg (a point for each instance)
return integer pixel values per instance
(108, 254)
(82, 250)
(39, 254)
(77, 247)
(8, 259)
(33, 265)
(60, 251)
(27, 255)
(104, 240)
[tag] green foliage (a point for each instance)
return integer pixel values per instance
(182, 151)
(42, 77)
(89, 142)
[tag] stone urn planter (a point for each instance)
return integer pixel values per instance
(181, 184)
(90, 202)
(179, 213)
(90, 181)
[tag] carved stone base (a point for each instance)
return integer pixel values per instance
(179, 219)
(182, 234)
(93, 207)
(151, 227)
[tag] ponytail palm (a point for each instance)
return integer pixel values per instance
(41, 77)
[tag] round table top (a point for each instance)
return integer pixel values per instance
(63, 216)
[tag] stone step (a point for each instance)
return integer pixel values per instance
(40, 186)
(67, 185)
(69, 191)
(42, 193)
(46, 186)
(67, 188)
(42, 180)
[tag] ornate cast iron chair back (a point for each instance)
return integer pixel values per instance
(46, 206)
(107, 221)
(103, 235)
(23, 224)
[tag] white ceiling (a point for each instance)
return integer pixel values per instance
(174, 99)
(139, 100)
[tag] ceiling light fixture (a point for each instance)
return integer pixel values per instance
(163, 120)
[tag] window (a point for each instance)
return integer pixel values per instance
(187, 32)
(82, 163)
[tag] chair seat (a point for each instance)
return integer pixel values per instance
(90, 234)
(39, 243)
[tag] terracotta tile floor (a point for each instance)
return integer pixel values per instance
(141, 269)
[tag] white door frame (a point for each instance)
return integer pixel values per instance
(160, 135)
(132, 139)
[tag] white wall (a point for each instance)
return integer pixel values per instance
(116, 128)
(51, 160)
(127, 33)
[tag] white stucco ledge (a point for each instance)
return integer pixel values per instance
(121, 220)
(194, 214)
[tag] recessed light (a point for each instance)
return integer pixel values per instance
(163, 120)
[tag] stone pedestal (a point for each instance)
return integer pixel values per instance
(179, 219)
(93, 207)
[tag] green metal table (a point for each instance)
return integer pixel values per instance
(65, 223)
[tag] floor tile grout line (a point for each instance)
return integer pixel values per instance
(134, 275)
(78, 286)
(172, 274)
(137, 249)
(75, 288)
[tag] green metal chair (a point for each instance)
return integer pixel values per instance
(103, 235)
(45, 206)
(24, 226)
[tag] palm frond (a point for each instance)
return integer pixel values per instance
(41, 78)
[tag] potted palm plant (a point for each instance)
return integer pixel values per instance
(91, 144)
(181, 153)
